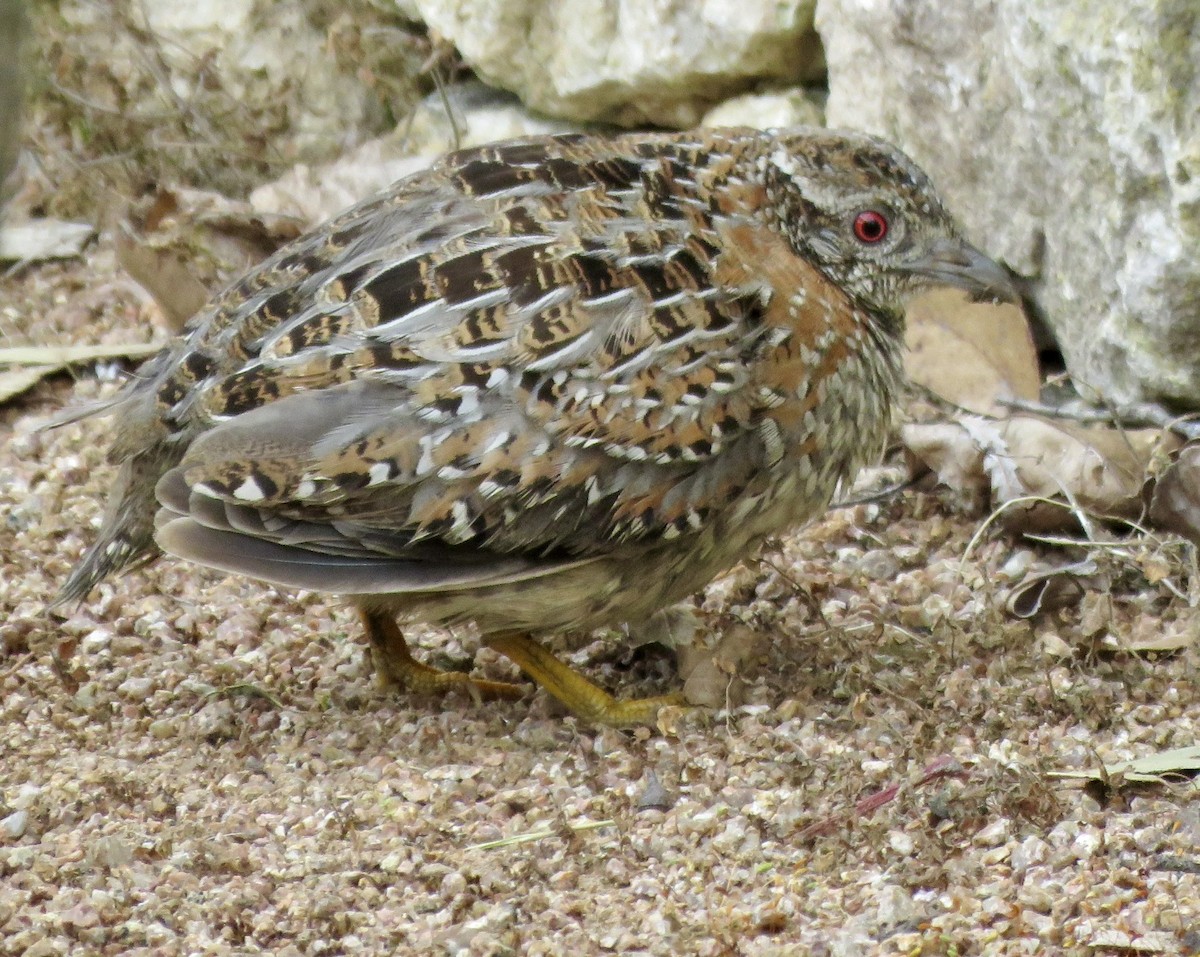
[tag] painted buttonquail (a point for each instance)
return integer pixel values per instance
(545, 385)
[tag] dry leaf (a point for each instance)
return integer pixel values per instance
(1052, 646)
(711, 675)
(1095, 613)
(1155, 567)
(14, 382)
(947, 449)
(164, 273)
(1100, 470)
(1150, 636)
(60, 356)
(34, 363)
(1175, 505)
(973, 354)
(1103, 470)
(184, 244)
(1178, 761)
(1048, 589)
(1109, 940)
(673, 628)
(654, 796)
(40, 239)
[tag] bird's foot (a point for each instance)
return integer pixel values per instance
(397, 668)
(580, 696)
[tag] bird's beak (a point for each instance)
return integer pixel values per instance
(953, 262)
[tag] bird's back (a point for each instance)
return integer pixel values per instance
(546, 349)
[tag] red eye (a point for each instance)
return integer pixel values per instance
(870, 226)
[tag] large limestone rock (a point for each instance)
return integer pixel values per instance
(1066, 136)
(480, 115)
(269, 57)
(630, 61)
(764, 111)
(471, 113)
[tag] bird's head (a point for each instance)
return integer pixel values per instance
(869, 218)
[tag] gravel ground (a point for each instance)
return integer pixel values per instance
(192, 764)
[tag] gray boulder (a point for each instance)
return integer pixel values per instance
(630, 61)
(1066, 136)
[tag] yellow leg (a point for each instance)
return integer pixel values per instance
(583, 698)
(396, 665)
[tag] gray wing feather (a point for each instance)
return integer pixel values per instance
(342, 575)
(239, 539)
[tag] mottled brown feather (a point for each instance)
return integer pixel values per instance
(560, 362)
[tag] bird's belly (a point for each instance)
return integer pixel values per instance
(629, 587)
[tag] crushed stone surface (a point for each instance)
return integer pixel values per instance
(196, 764)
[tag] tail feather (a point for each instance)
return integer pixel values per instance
(85, 410)
(107, 556)
(126, 538)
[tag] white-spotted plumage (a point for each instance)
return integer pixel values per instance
(553, 383)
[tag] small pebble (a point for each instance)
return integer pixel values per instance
(15, 824)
